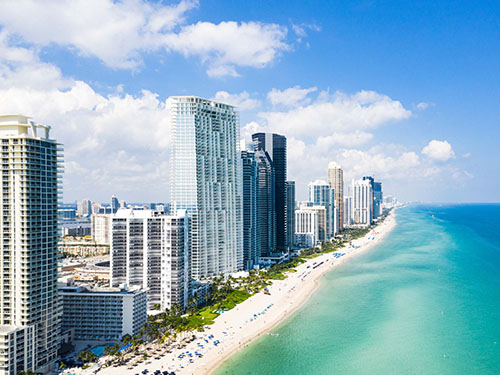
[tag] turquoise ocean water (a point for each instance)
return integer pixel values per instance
(426, 300)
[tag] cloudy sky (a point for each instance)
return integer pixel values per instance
(407, 91)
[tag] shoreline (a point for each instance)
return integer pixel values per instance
(259, 314)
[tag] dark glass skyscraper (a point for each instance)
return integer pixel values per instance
(275, 147)
(290, 213)
(377, 199)
(266, 203)
(251, 230)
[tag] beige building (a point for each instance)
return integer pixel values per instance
(100, 228)
(336, 181)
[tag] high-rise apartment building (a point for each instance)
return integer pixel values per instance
(29, 324)
(115, 204)
(275, 146)
(321, 194)
(266, 203)
(336, 181)
(347, 211)
(362, 202)
(377, 199)
(372, 185)
(310, 224)
(150, 251)
(100, 225)
(251, 232)
(206, 181)
(290, 213)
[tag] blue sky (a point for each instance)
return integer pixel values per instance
(404, 90)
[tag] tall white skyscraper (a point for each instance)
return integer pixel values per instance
(336, 181)
(320, 194)
(362, 202)
(28, 242)
(207, 182)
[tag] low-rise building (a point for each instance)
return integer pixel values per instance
(101, 314)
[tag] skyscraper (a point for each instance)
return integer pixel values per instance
(290, 213)
(266, 203)
(28, 232)
(377, 199)
(251, 232)
(84, 208)
(115, 204)
(206, 181)
(320, 194)
(372, 185)
(275, 146)
(336, 181)
(362, 202)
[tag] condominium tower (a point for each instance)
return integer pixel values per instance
(150, 251)
(28, 241)
(275, 146)
(336, 181)
(362, 202)
(290, 213)
(251, 232)
(320, 194)
(206, 181)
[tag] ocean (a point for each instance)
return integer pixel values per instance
(426, 300)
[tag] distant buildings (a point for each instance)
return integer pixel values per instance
(377, 199)
(28, 282)
(362, 202)
(150, 251)
(84, 208)
(103, 314)
(206, 181)
(274, 145)
(336, 181)
(115, 204)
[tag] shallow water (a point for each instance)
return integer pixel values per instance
(426, 300)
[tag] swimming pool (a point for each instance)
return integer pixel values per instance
(99, 350)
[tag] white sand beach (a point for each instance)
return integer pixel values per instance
(257, 315)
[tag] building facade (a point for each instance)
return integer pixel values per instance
(102, 314)
(290, 213)
(266, 204)
(150, 251)
(377, 199)
(28, 240)
(84, 208)
(336, 182)
(347, 211)
(275, 146)
(362, 202)
(251, 232)
(320, 194)
(372, 186)
(310, 225)
(206, 181)
(100, 228)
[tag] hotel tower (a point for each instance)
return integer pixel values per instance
(28, 242)
(206, 181)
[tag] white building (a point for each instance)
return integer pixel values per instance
(28, 243)
(336, 182)
(321, 194)
(347, 211)
(102, 314)
(101, 228)
(84, 208)
(150, 251)
(310, 225)
(362, 202)
(207, 182)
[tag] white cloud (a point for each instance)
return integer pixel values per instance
(424, 105)
(290, 97)
(439, 150)
(242, 100)
(119, 32)
(228, 44)
(336, 114)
